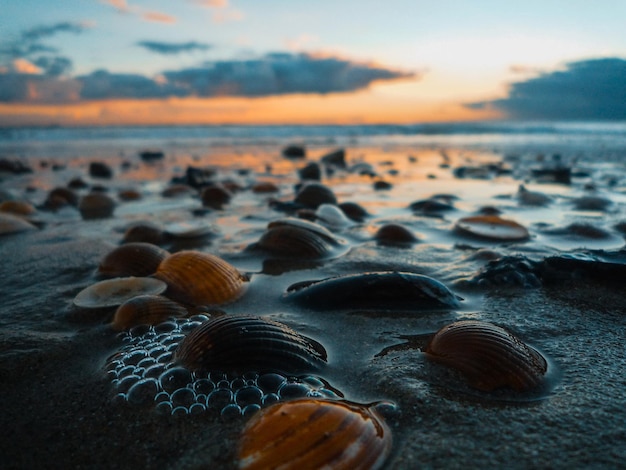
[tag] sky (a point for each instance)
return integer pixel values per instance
(140, 62)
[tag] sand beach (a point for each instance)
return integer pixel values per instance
(558, 286)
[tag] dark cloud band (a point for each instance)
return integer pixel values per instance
(273, 74)
(591, 89)
(171, 49)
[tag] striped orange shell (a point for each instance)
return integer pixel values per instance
(146, 310)
(132, 259)
(487, 355)
(200, 278)
(312, 433)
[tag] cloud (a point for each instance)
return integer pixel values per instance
(272, 74)
(158, 17)
(589, 89)
(278, 74)
(212, 3)
(167, 48)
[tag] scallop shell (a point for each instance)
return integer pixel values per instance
(114, 292)
(201, 278)
(146, 310)
(297, 238)
(59, 197)
(96, 206)
(354, 211)
(10, 223)
(313, 433)
(215, 196)
(377, 290)
(19, 208)
(492, 227)
(132, 259)
(144, 232)
(245, 342)
(487, 355)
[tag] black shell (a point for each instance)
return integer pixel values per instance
(246, 342)
(376, 290)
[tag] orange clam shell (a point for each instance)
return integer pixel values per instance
(199, 278)
(312, 433)
(488, 356)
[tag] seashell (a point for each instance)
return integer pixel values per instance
(19, 208)
(114, 292)
(487, 355)
(96, 206)
(532, 198)
(215, 196)
(201, 278)
(313, 194)
(432, 206)
(492, 227)
(129, 195)
(377, 290)
(146, 310)
(10, 223)
(592, 203)
(312, 171)
(335, 158)
(298, 238)
(332, 216)
(59, 197)
(395, 234)
(100, 170)
(294, 151)
(265, 187)
(144, 232)
(315, 433)
(246, 342)
(132, 259)
(354, 211)
(178, 190)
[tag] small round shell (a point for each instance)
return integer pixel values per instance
(146, 310)
(377, 290)
(492, 227)
(132, 259)
(488, 356)
(114, 292)
(290, 241)
(19, 208)
(96, 206)
(313, 195)
(199, 278)
(311, 433)
(395, 234)
(245, 342)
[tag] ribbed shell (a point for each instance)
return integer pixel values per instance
(96, 206)
(310, 433)
(10, 223)
(17, 207)
(146, 310)
(487, 355)
(313, 194)
(245, 342)
(376, 290)
(132, 259)
(201, 278)
(294, 242)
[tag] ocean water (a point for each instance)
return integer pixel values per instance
(608, 139)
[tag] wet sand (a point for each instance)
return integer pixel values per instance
(60, 406)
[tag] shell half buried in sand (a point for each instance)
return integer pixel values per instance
(114, 292)
(491, 227)
(314, 433)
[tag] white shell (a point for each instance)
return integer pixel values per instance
(114, 292)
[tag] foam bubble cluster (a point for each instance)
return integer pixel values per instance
(143, 374)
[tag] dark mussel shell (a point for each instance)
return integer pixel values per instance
(377, 290)
(246, 342)
(132, 259)
(314, 433)
(488, 356)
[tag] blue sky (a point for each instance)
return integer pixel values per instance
(434, 58)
